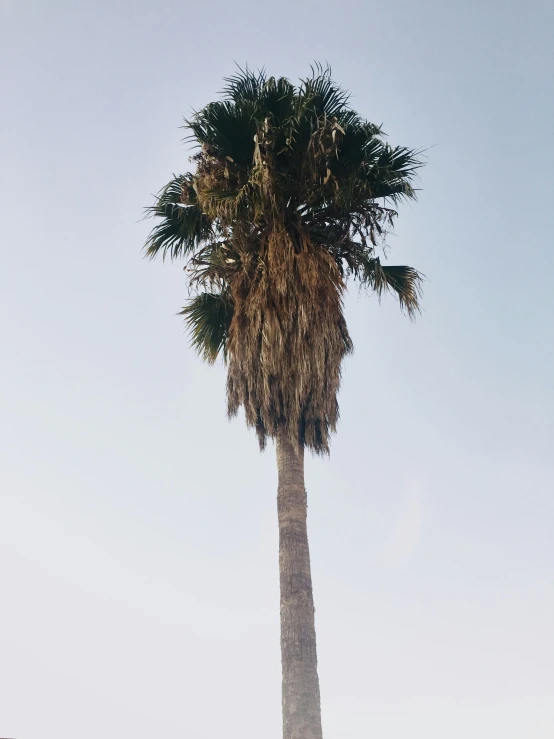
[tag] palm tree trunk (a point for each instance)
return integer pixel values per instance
(301, 702)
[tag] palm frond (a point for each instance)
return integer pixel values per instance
(244, 85)
(264, 96)
(208, 316)
(226, 127)
(324, 96)
(278, 101)
(404, 281)
(183, 225)
(389, 171)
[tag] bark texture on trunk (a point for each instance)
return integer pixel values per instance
(301, 702)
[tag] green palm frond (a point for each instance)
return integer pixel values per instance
(183, 225)
(208, 316)
(389, 172)
(266, 97)
(245, 85)
(226, 127)
(402, 280)
(325, 96)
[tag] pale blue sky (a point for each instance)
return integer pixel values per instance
(138, 546)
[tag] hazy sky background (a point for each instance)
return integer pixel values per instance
(138, 533)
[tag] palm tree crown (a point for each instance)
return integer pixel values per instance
(292, 193)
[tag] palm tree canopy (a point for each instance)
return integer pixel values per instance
(291, 194)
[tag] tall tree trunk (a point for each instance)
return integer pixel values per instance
(301, 702)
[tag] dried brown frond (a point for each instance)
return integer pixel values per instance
(287, 339)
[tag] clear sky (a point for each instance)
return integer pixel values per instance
(138, 541)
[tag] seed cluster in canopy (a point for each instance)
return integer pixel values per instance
(291, 194)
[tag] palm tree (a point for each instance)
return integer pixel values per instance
(291, 194)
